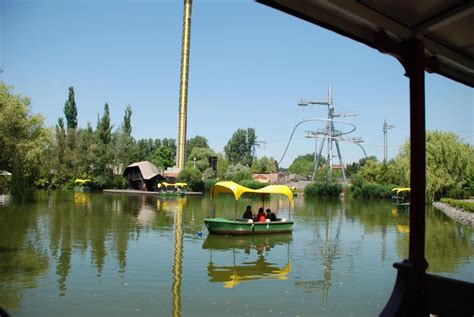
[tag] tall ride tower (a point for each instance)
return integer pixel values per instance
(183, 86)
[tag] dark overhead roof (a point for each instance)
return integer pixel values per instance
(445, 26)
(147, 169)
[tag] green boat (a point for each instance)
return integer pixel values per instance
(82, 185)
(240, 226)
(401, 198)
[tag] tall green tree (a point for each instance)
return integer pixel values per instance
(127, 120)
(240, 146)
(70, 110)
(104, 128)
(103, 152)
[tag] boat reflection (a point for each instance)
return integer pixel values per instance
(241, 271)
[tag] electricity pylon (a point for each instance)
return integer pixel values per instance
(386, 127)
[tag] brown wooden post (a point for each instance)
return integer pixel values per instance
(408, 296)
(415, 66)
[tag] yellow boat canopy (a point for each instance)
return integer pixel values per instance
(181, 185)
(238, 190)
(398, 190)
(82, 181)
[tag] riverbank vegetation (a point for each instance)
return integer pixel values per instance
(53, 157)
(460, 204)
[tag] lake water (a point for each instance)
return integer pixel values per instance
(79, 254)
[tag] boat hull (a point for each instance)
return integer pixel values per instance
(242, 227)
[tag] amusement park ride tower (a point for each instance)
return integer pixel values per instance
(183, 86)
(331, 135)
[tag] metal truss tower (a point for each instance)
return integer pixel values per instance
(386, 127)
(330, 134)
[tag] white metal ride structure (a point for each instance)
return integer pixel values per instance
(330, 135)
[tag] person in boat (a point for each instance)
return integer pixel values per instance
(270, 215)
(248, 213)
(261, 216)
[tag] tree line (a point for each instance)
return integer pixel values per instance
(38, 156)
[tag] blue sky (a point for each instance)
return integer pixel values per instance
(249, 67)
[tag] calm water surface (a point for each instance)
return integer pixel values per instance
(76, 254)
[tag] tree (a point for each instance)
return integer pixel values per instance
(123, 141)
(239, 147)
(202, 156)
(23, 140)
(127, 120)
(104, 129)
(264, 165)
(163, 157)
(192, 177)
(103, 152)
(197, 141)
(238, 172)
(303, 165)
(70, 110)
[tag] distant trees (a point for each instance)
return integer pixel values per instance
(239, 147)
(265, 165)
(449, 167)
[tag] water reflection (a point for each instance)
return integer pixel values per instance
(22, 260)
(62, 234)
(178, 205)
(326, 248)
(239, 270)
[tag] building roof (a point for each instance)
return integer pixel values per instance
(147, 169)
(444, 26)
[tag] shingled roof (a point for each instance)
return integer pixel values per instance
(147, 169)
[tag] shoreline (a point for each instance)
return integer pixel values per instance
(466, 218)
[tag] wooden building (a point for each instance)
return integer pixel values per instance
(142, 176)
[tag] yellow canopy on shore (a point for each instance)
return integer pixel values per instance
(398, 190)
(82, 181)
(238, 190)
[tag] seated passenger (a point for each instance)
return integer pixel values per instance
(261, 215)
(271, 215)
(248, 213)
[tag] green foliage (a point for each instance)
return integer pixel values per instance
(317, 189)
(193, 177)
(70, 110)
(127, 120)
(250, 183)
(238, 172)
(265, 165)
(371, 190)
(202, 155)
(447, 164)
(461, 204)
(23, 140)
(197, 141)
(222, 165)
(302, 165)
(163, 157)
(239, 147)
(104, 128)
(4, 184)
(208, 183)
